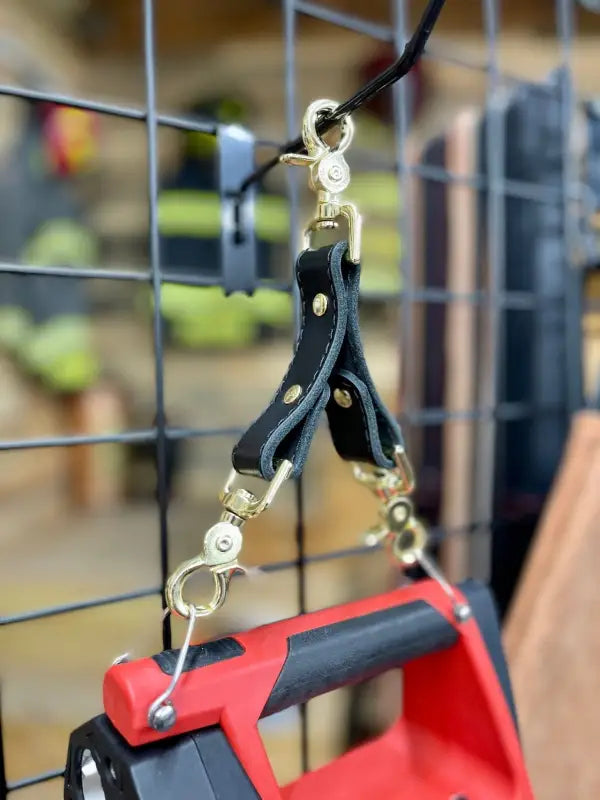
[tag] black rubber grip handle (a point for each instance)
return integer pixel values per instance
(323, 659)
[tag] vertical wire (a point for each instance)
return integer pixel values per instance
(565, 24)
(490, 356)
(290, 19)
(401, 109)
(161, 439)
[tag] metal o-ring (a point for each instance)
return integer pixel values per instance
(310, 125)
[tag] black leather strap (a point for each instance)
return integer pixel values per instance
(328, 356)
(364, 430)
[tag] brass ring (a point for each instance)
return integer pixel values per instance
(309, 126)
(406, 550)
(177, 580)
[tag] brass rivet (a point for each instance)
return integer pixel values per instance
(320, 303)
(292, 394)
(342, 397)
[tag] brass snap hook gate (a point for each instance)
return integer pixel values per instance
(329, 175)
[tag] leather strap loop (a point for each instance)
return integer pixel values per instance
(328, 356)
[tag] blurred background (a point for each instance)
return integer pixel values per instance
(479, 182)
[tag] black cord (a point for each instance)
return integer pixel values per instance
(411, 54)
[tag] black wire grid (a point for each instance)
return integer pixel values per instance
(495, 300)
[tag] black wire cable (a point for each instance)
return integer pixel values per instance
(410, 55)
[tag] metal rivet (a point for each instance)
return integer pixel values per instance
(292, 394)
(320, 303)
(224, 543)
(164, 718)
(342, 397)
(462, 612)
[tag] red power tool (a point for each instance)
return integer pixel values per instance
(456, 738)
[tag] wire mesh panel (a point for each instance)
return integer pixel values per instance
(490, 300)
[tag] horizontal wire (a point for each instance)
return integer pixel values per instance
(425, 416)
(66, 608)
(110, 109)
(279, 566)
(126, 437)
(518, 190)
(440, 52)
(384, 33)
(185, 279)
(508, 299)
(436, 532)
(33, 780)
(505, 412)
(75, 272)
(198, 433)
(342, 20)
(141, 276)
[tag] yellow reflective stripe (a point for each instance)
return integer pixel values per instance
(189, 212)
(272, 218)
(376, 193)
(229, 331)
(57, 338)
(274, 308)
(71, 372)
(197, 214)
(197, 301)
(380, 281)
(61, 241)
(14, 324)
(380, 242)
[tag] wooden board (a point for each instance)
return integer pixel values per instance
(460, 345)
(552, 635)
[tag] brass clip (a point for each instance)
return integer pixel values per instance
(406, 535)
(222, 545)
(398, 525)
(329, 176)
(386, 483)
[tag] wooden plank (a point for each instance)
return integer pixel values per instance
(460, 345)
(552, 636)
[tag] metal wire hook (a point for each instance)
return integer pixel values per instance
(162, 714)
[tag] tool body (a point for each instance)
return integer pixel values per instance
(456, 736)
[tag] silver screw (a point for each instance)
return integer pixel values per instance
(462, 612)
(335, 172)
(163, 718)
(224, 543)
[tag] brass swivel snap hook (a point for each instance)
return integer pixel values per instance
(329, 176)
(222, 545)
(399, 528)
